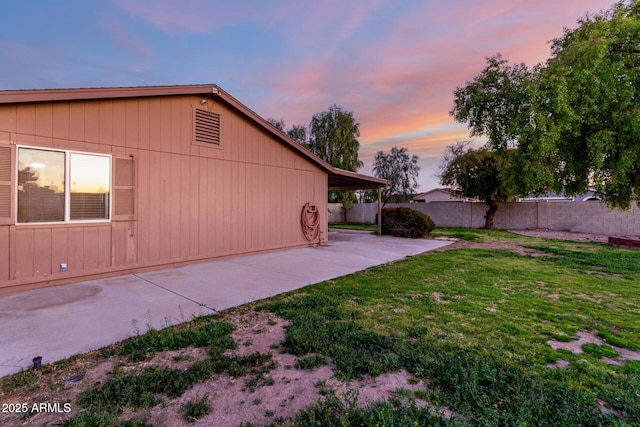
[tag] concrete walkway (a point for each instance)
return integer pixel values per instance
(61, 321)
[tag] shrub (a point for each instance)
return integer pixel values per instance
(406, 222)
(215, 334)
(311, 362)
(355, 352)
(196, 409)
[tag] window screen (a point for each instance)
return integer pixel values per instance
(89, 186)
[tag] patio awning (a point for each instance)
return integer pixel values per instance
(340, 180)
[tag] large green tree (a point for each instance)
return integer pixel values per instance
(499, 104)
(400, 169)
(476, 173)
(496, 103)
(333, 136)
(588, 101)
(575, 119)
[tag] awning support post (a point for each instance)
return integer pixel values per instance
(379, 211)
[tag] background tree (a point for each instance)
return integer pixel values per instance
(400, 169)
(333, 136)
(297, 132)
(476, 173)
(367, 196)
(278, 124)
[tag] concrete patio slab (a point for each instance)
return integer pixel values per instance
(61, 321)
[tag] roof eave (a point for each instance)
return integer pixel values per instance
(206, 90)
(77, 94)
(341, 180)
(353, 180)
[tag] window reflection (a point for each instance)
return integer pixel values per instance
(89, 191)
(40, 185)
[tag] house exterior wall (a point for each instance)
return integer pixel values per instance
(193, 201)
(580, 217)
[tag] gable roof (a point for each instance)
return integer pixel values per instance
(338, 178)
(443, 190)
(435, 190)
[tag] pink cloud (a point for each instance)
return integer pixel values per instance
(199, 16)
(172, 16)
(396, 76)
(129, 41)
(25, 57)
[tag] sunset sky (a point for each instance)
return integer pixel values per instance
(394, 63)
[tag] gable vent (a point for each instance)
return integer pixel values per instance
(207, 127)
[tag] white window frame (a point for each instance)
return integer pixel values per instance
(67, 186)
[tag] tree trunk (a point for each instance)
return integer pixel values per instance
(346, 207)
(488, 217)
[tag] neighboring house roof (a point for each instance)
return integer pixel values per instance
(552, 196)
(339, 179)
(437, 194)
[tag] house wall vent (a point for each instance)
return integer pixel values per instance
(207, 127)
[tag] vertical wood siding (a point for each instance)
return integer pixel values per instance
(193, 201)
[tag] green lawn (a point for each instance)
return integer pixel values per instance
(472, 323)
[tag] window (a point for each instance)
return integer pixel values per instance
(62, 186)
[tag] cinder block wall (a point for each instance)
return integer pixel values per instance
(580, 217)
(335, 212)
(593, 217)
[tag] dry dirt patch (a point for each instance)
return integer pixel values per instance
(519, 249)
(507, 246)
(586, 337)
(437, 297)
(290, 391)
(563, 235)
(284, 390)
